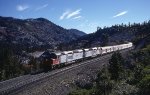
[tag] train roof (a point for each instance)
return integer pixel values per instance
(58, 53)
(94, 48)
(78, 50)
(86, 49)
(106, 47)
(99, 47)
(66, 52)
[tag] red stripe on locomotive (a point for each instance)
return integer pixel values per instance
(55, 61)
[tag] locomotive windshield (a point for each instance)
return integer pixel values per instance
(53, 56)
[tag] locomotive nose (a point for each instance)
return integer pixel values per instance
(54, 61)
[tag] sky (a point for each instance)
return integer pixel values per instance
(84, 15)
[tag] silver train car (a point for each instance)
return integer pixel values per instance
(68, 57)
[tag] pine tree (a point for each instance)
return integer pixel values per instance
(10, 64)
(104, 84)
(116, 66)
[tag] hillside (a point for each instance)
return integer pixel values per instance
(77, 32)
(32, 33)
(138, 33)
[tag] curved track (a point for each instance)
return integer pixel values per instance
(16, 84)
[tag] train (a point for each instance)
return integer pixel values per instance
(58, 59)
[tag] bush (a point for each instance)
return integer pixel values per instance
(144, 85)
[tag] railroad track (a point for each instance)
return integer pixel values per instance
(16, 84)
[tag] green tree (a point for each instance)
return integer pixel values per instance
(116, 66)
(103, 83)
(144, 83)
(10, 64)
(105, 38)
